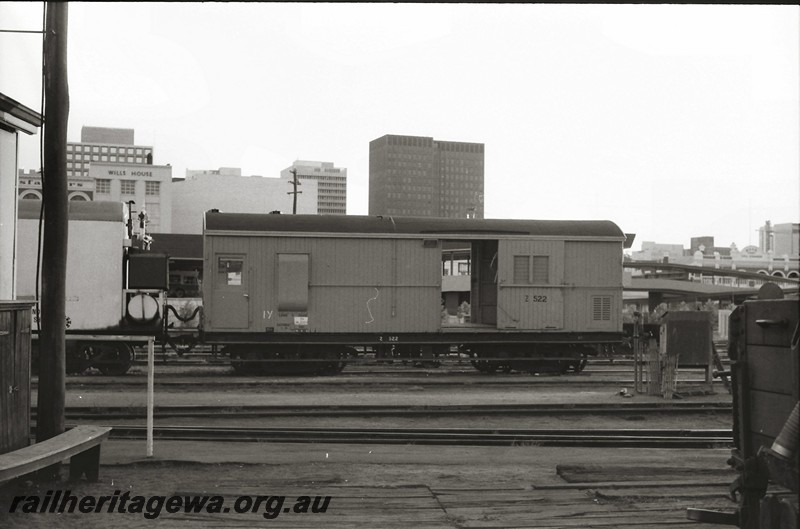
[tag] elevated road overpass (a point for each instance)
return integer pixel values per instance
(664, 282)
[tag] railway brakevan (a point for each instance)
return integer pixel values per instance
(300, 293)
(279, 288)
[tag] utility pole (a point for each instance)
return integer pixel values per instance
(52, 345)
(295, 183)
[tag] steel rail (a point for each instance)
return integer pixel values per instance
(208, 360)
(657, 438)
(449, 380)
(129, 413)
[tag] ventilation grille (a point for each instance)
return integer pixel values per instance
(601, 308)
(541, 270)
(522, 266)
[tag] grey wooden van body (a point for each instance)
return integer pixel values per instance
(360, 279)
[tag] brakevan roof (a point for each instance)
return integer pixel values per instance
(78, 210)
(239, 222)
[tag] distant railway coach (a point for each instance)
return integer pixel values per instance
(94, 261)
(281, 288)
(114, 293)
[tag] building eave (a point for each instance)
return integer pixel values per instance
(15, 115)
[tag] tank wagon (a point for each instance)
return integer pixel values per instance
(285, 292)
(114, 292)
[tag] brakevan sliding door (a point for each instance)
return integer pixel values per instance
(483, 296)
(530, 283)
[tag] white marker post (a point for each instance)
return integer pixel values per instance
(150, 397)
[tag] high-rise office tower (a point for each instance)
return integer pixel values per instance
(331, 184)
(422, 177)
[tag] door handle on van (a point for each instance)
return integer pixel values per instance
(246, 295)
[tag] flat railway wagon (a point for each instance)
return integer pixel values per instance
(114, 292)
(300, 292)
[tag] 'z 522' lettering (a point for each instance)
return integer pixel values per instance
(535, 299)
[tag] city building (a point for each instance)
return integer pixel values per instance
(227, 190)
(107, 165)
(778, 253)
(148, 186)
(104, 145)
(30, 186)
(420, 176)
(331, 184)
(222, 171)
(15, 118)
(652, 251)
(706, 246)
(780, 239)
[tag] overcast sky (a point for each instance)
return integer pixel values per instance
(673, 121)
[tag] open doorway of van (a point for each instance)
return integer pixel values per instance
(469, 283)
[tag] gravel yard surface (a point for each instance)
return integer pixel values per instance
(399, 486)
(389, 486)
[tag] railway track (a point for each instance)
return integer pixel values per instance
(198, 383)
(625, 438)
(179, 374)
(162, 412)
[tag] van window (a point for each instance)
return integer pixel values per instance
(229, 271)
